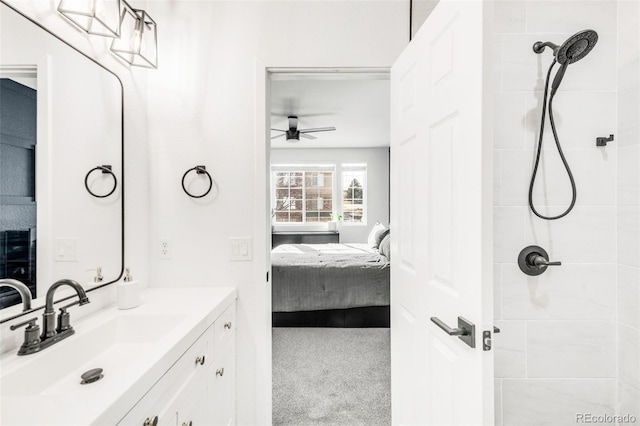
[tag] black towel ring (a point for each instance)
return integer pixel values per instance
(105, 169)
(201, 170)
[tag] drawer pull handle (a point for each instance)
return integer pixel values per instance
(200, 360)
(151, 422)
(188, 424)
(227, 325)
(220, 372)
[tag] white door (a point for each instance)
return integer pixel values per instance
(441, 213)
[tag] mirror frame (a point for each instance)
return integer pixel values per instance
(122, 175)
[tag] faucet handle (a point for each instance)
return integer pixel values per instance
(63, 320)
(31, 335)
(30, 322)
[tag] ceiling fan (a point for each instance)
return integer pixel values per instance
(293, 134)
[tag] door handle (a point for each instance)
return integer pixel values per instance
(466, 330)
(450, 331)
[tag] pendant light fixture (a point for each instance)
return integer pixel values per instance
(138, 41)
(99, 17)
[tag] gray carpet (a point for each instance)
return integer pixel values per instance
(331, 376)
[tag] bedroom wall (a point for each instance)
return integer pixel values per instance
(556, 353)
(377, 160)
(201, 110)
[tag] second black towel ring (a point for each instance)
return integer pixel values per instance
(201, 170)
(105, 169)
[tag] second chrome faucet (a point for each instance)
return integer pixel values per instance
(51, 334)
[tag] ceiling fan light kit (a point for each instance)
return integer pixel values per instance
(294, 134)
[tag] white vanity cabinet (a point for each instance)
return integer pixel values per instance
(199, 389)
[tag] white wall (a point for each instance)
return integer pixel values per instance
(377, 190)
(201, 110)
(136, 165)
(556, 354)
(628, 193)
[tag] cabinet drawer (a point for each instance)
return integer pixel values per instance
(223, 387)
(161, 400)
(225, 326)
(195, 408)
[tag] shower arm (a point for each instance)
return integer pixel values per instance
(538, 47)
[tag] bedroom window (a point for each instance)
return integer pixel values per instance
(303, 196)
(354, 193)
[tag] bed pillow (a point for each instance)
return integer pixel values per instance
(380, 237)
(385, 247)
(377, 228)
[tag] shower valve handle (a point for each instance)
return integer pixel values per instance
(539, 261)
(534, 260)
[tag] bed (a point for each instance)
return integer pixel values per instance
(330, 285)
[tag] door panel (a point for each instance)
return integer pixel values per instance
(440, 184)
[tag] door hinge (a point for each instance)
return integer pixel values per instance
(486, 340)
(267, 276)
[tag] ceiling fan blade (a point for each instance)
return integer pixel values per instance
(278, 130)
(302, 135)
(278, 136)
(318, 129)
(299, 115)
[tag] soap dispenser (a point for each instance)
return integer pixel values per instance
(98, 278)
(128, 292)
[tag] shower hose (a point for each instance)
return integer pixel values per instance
(557, 140)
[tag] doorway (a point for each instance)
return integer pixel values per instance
(329, 189)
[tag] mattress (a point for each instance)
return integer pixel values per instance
(309, 277)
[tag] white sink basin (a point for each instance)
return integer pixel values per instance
(111, 346)
(133, 347)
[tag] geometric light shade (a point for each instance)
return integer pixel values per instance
(99, 17)
(138, 41)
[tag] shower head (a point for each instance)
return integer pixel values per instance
(575, 48)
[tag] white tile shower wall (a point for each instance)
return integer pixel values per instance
(554, 298)
(628, 208)
(556, 355)
(555, 402)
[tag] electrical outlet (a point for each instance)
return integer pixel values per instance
(165, 249)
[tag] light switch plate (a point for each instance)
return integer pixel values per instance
(65, 250)
(240, 248)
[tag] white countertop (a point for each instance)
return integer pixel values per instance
(106, 401)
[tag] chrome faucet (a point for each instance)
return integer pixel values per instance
(33, 342)
(25, 294)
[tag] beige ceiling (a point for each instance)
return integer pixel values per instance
(357, 105)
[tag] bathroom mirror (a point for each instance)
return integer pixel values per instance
(61, 162)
